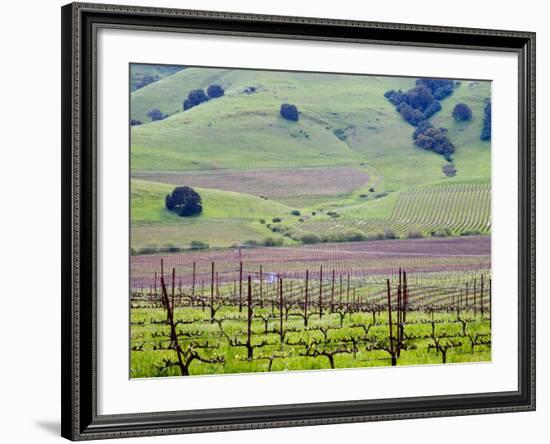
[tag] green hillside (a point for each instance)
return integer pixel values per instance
(142, 74)
(227, 218)
(346, 128)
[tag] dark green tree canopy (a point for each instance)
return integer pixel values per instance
(462, 112)
(215, 91)
(289, 112)
(156, 114)
(184, 201)
(194, 98)
(486, 130)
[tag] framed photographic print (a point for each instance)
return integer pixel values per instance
(279, 221)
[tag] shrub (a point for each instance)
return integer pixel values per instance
(271, 242)
(354, 236)
(347, 236)
(150, 249)
(134, 122)
(262, 221)
(462, 112)
(198, 245)
(250, 90)
(276, 220)
(449, 169)
(470, 233)
(414, 234)
(251, 243)
(295, 212)
(310, 239)
(390, 234)
(340, 133)
(289, 112)
(185, 201)
(376, 236)
(333, 214)
(214, 91)
(156, 114)
(441, 232)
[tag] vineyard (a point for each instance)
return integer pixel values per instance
(459, 208)
(220, 319)
(435, 260)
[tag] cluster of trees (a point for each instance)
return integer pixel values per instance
(289, 112)
(421, 102)
(486, 130)
(184, 201)
(418, 104)
(198, 96)
(434, 139)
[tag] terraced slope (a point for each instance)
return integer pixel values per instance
(459, 207)
(462, 208)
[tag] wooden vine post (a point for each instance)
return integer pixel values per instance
(240, 286)
(212, 311)
(193, 278)
(321, 292)
(305, 300)
(249, 321)
(281, 331)
(391, 348)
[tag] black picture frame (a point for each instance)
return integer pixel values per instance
(80, 420)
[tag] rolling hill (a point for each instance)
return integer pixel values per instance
(251, 164)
